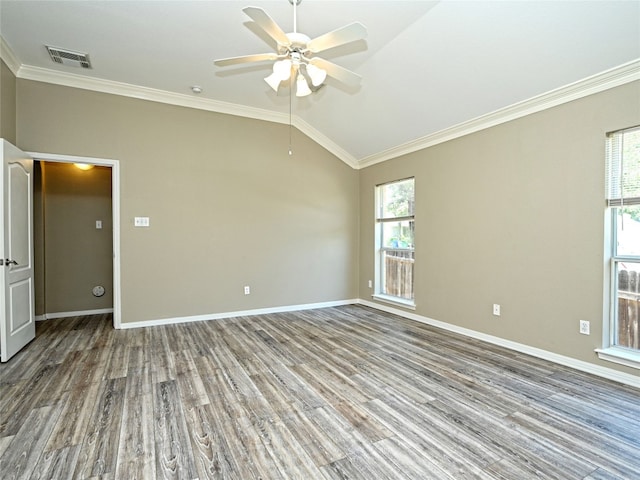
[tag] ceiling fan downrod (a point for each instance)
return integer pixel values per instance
(295, 3)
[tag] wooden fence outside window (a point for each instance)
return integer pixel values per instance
(628, 309)
(398, 267)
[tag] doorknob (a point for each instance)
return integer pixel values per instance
(8, 262)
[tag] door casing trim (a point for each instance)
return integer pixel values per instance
(115, 212)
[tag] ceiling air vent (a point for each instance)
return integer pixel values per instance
(67, 57)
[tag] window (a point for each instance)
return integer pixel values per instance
(623, 211)
(395, 252)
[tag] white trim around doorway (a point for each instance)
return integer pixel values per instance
(115, 208)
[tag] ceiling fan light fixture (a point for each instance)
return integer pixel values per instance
(302, 88)
(273, 81)
(281, 72)
(282, 68)
(316, 74)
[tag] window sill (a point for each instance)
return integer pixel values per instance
(398, 302)
(622, 356)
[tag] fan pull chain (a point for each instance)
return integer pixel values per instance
(290, 126)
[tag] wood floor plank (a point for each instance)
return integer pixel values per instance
(139, 360)
(331, 386)
(340, 392)
(602, 474)
(4, 443)
(58, 464)
(78, 410)
(273, 392)
(213, 457)
(18, 407)
(287, 454)
(248, 441)
(365, 464)
(338, 429)
(190, 385)
(136, 448)
(63, 379)
(91, 367)
(296, 387)
(98, 454)
(21, 457)
(380, 373)
(584, 443)
(320, 447)
(162, 361)
(174, 456)
(408, 461)
(524, 448)
(362, 421)
(448, 457)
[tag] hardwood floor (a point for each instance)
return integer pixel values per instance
(337, 393)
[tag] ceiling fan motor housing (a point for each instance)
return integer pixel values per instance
(298, 40)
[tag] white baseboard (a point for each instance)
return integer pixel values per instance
(50, 316)
(240, 313)
(604, 372)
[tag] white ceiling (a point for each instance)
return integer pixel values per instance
(430, 69)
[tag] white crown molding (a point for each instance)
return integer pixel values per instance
(144, 93)
(127, 90)
(6, 54)
(600, 371)
(614, 77)
(325, 142)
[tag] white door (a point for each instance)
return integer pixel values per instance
(17, 316)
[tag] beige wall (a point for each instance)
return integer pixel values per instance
(228, 206)
(512, 215)
(7, 104)
(73, 255)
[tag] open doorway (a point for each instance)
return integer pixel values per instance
(76, 233)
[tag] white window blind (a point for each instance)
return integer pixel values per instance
(623, 167)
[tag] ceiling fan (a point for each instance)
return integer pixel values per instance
(295, 57)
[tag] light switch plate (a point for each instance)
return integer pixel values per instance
(141, 221)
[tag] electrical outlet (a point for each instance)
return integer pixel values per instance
(496, 309)
(247, 290)
(370, 284)
(585, 327)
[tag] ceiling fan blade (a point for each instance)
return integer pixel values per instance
(265, 22)
(339, 73)
(347, 34)
(259, 57)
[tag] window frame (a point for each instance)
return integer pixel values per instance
(610, 350)
(379, 265)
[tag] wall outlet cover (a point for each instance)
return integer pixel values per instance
(585, 327)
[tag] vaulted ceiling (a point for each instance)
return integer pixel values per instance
(431, 69)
